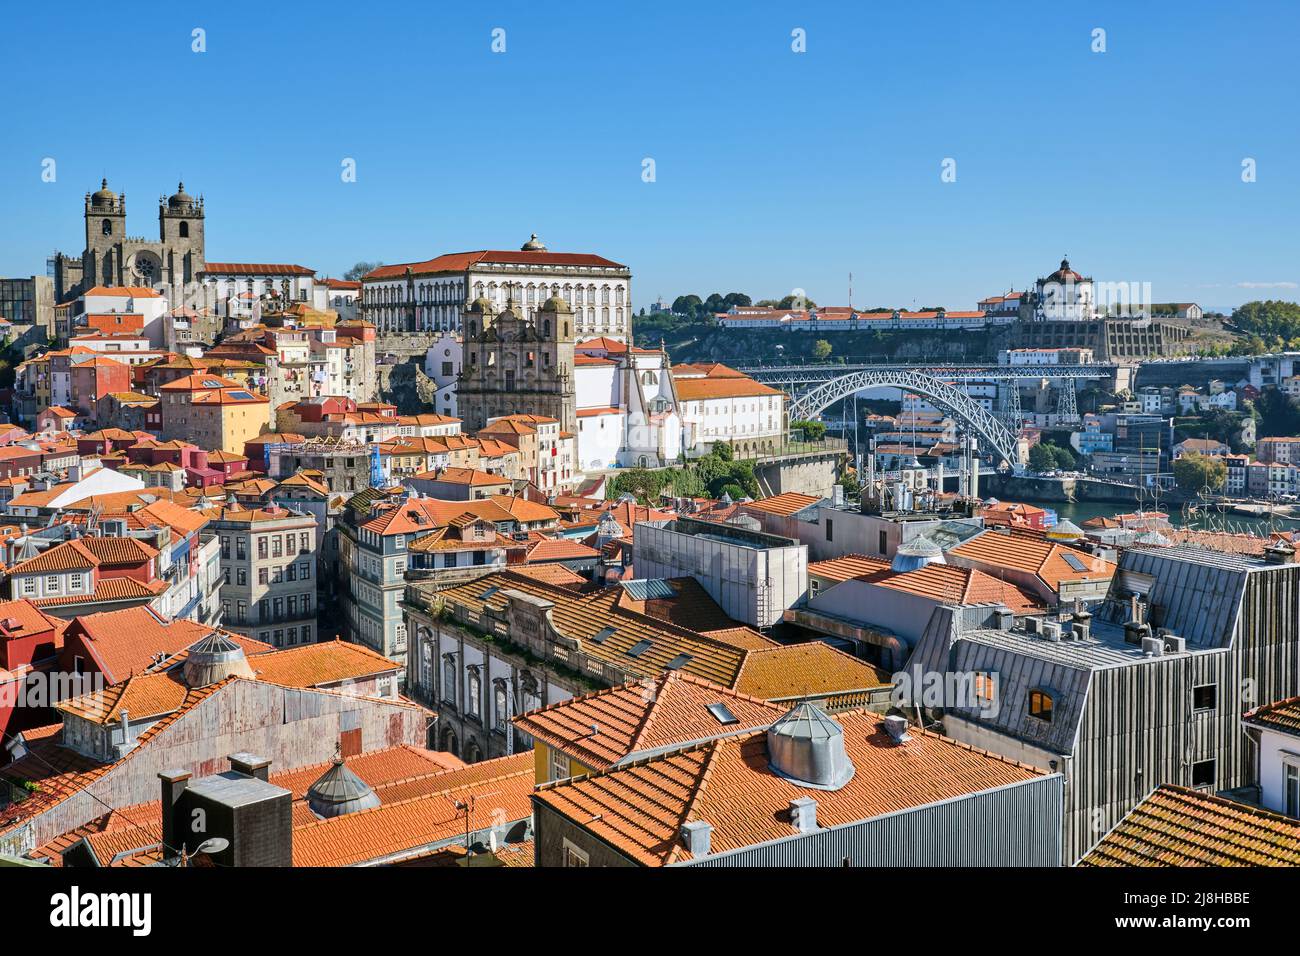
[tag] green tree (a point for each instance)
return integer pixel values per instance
(1278, 414)
(821, 350)
(1271, 320)
(791, 302)
(1193, 472)
(360, 269)
(811, 431)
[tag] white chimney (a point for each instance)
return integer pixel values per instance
(696, 837)
(803, 814)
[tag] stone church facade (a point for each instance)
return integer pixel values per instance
(114, 258)
(513, 365)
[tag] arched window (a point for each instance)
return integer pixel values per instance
(500, 705)
(185, 230)
(449, 678)
(107, 227)
(473, 699)
(1040, 705)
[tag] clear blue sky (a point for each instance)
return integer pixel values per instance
(775, 170)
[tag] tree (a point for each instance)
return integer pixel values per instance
(793, 302)
(1278, 414)
(812, 431)
(821, 350)
(360, 269)
(738, 299)
(1271, 319)
(1046, 456)
(687, 305)
(1193, 472)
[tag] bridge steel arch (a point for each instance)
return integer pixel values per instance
(987, 426)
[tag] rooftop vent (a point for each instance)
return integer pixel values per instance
(1004, 618)
(916, 554)
(1153, 646)
(807, 747)
(213, 659)
(339, 791)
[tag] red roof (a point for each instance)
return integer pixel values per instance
(256, 269)
(463, 261)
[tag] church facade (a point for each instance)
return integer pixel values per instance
(516, 365)
(113, 258)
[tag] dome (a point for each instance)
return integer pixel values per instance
(213, 659)
(1065, 273)
(338, 791)
(806, 747)
(555, 304)
(481, 305)
(916, 554)
(105, 196)
(1065, 530)
(533, 245)
(181, 199)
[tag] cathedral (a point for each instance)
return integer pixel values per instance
(514, 365)
(112, 258)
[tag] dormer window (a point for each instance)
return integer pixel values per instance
(1040, 705)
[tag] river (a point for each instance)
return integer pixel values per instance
(1081, 511)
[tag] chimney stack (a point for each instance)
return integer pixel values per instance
(696, 837)
(174, 783)
(803, 814)
(251, 765)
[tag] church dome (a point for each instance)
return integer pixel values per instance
(105, 196)
(181, 199)
(533, 245)
(1065, 274)
(555, 304)
(339, 791)
(481, 305)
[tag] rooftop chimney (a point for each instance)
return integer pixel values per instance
(250, 765)
(803, 814)
(896, 727)
(696, 837)
(174, 783)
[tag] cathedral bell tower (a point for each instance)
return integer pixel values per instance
(105, 230)
(180, 233)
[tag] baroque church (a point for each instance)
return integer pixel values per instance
(514, 365)
(112, 258)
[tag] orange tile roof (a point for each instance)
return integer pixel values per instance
(467, 476)
(944, 583)
(522, 509)
(705, 389)
(21, 618)
(141, 696)
(1176, 826)
(603, 729)
(784, 504)
(640, 809)
(125, 642)
(494, 790)
(815, 668)
(689, 606)
(1033, 554)
(315, 664)
(560, 549)
(1282, 716)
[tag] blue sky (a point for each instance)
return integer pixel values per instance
(774, 170)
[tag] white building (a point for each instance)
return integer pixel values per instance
(717, 403)
(151, 306)
(627, 406)
(283, 283)
(431, 295)
(1065, 296)
(442, 364)
(1278, 753)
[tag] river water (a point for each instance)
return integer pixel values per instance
(1081, 511)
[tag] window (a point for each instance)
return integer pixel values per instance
(884, 543)
(241, 576)
(1291, 789)
(559, 764)
(574, 857)
(830, 530)
(449, 678)
(261, 547)
(1204, 697)
(1203, 773)
(473, 699)
(261, 575)
(1040, 705)
(986, 688)
(29, 585)
(500, 706)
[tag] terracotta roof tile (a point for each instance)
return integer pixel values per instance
(728, 783)
(1176, 826)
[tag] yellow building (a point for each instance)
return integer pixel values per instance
(213, 412)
